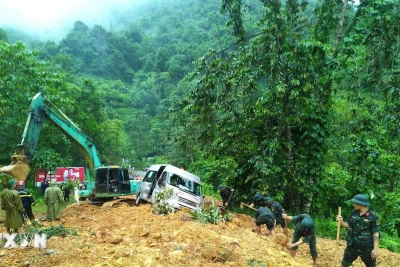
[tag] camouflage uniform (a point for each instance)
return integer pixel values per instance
(225, 193)
(305, 229)
(277, 209)
(265, 216)
(359, 238)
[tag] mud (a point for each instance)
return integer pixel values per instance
(133, 236)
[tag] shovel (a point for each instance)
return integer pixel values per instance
(244, 204)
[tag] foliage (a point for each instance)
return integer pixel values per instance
(54, 230)
(4, 179)
(327, 228)
(389, 242)
(256, 263)
(210, 214)
(162, 205)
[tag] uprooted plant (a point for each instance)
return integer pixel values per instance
(210, 214)
(162, 206)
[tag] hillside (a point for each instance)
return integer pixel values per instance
(133, 236)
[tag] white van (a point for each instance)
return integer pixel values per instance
(187, 186)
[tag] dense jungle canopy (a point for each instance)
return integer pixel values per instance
(294, 99)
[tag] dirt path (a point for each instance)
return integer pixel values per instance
(133, 236)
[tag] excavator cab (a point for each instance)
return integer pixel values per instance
(112, 180)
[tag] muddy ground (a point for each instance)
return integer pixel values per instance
(134, 236)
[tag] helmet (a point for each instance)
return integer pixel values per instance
(307, 224)
(268, 199)
(257, 197)
(11, 183)
(21, 184)
(220, 187)
(361, 200)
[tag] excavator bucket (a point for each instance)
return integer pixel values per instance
(19, 167)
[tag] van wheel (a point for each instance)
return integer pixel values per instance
(138, 199)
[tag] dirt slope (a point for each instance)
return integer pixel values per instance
(133, 236)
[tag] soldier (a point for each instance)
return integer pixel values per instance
(27, 201)
(53, 197)
(305, 229)
(277, 209)
(258, 201)
(11, 203)
(226, 194)
(265, 216)
(362, 233)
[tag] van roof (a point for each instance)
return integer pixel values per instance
(183, 173)
(155, 167)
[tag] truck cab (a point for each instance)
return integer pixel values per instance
(186, 186)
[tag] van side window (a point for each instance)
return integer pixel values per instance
(174, 180)
(163, 179)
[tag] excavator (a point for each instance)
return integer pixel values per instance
(104, 184)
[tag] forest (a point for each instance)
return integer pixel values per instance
(294, 99)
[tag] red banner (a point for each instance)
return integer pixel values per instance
(63, 174)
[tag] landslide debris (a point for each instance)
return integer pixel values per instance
(134, 236)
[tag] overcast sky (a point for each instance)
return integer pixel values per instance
(51, 16)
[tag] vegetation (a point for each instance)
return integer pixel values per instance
(162, 206)
(298, 100)
(210, 214)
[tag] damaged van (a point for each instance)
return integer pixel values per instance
(186, 186)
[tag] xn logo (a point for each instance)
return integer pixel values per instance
(16, 240)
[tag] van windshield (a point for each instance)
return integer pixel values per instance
(150, 176)
(185, 184)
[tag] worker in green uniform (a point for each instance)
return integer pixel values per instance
(258, 201)
(362, 233)
(12, 205)
(53, 198)
(277, 210)
(226, 195)
(304, 233)
(265, 216)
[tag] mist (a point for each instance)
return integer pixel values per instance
(52, 20)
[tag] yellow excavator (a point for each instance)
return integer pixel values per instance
(103, 182)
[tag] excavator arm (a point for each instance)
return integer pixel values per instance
(100, 184)
(40, 109)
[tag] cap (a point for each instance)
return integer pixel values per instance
(361, 200)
